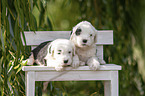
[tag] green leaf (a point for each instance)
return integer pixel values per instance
(2, 40)
(22, 57)
(23, 35)
(33, 22)
(23, 4)
(12, 54)
(22, 19)
(16, 28)
(1, 62)
(42, 15)
(10, 24)
(16, 67)
(49, 23)
(19, 69)
(3, 10)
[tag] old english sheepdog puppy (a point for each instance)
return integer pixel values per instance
(84, 36)
(58, 53)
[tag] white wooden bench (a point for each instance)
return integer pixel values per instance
(107, 73)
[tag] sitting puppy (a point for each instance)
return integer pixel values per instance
(84, 36)
(58, 53)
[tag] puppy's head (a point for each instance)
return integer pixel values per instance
(84, 34)
(62, 51)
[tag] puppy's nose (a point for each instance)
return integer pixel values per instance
(65, 61)
(84, 40)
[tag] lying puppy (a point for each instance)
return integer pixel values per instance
(84, 36)
(58, 53)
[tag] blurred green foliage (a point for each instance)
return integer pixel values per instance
(125, 17)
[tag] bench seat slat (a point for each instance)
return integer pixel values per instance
(81, 68)
(73, 75)
(104, 37)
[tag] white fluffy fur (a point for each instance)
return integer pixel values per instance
(57, 60)
(86, 51)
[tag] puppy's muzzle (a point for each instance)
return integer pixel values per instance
(65, 61)
(85, 40)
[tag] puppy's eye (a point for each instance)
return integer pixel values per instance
(59, 50)
(59, 53)
(78, 32)
(91, 34)
(69, 52)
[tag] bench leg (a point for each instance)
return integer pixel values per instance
(30, 83)
(111, 86)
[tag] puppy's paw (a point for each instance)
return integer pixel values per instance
(94, 66)
(102, 61)
(76, 61)
(59, 68)
(75, 64)
(93, 63)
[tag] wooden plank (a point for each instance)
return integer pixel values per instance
(105, 37)
(111, 87)
(81, 68)
(99, 52)
(72, 76)
(30, 83)
(107, 88)
(114, 83)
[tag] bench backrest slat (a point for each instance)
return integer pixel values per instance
(104, 37)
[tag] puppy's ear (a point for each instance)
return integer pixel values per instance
(95, 38)
(75, 31)
(72, 33)
(50, 50)
(96, 32)
(74, 48)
